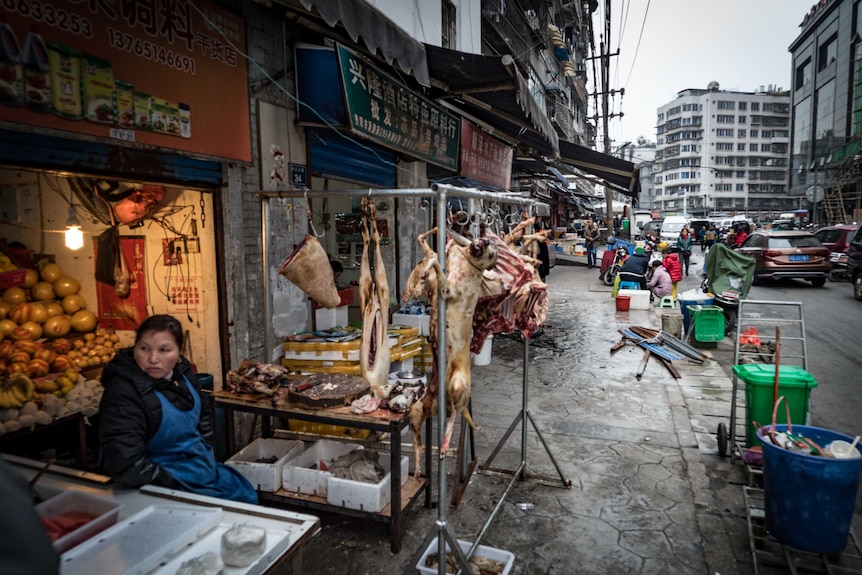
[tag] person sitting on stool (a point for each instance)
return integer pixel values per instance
(635, 267)
(660, 284)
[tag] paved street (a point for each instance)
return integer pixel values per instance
(649, 493)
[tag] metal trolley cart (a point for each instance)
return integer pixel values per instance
(760, 325)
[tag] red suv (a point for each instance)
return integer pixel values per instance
(788, 254)
(837, 237)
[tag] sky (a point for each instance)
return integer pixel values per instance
(741, 44)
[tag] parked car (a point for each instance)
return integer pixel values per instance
(793, 254)
(652, 227)
(854, 264)
(837, 237)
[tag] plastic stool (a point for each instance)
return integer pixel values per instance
(667, 301)
(630, 285)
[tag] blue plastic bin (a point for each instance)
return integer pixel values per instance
(809, 499)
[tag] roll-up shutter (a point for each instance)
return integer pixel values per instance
(334, 156)
(20, 149)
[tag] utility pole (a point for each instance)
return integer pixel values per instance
(604, 48)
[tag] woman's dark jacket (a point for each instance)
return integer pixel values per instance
(130, 414)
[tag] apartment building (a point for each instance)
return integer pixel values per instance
(720, 150)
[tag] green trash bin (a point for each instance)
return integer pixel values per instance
(794, 383)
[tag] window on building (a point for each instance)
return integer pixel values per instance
(827, 52)
(450, 25)
(803, 74)
(743, 105)
(724, 119)
(824, 119)
(752, 147)
(740, 119)
(726, 105)
(724, 133)
(723, 161)
(740, 133)
(740, 187)
(754, 133)
(755, 106)
(767, 134)
(766, 147)
(767, 106)
(724, 146)
(723, 187)
(740, 173)
(740, 147)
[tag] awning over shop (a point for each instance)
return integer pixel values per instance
(493, 91)
(379, 33)
(615, 172)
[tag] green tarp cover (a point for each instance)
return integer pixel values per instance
(727, 270)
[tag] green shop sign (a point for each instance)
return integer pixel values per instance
(387, 112)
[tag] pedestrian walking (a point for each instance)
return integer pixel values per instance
(591, 234)
(684, 244)
(708, 238)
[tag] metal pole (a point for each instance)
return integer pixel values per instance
(441, 385)
(523, 472)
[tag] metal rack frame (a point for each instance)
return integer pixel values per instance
(441, 528)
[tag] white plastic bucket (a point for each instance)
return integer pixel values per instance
(484, 356)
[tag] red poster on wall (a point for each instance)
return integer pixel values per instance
(125, 312)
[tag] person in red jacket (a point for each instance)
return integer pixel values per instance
(674, 268)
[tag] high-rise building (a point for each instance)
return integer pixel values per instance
(723, 151)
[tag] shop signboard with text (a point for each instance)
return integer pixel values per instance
(484, 157)
(165, 73)
(387, 112)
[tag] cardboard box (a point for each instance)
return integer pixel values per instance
(265, 476)
(371, 497)
(303, 474)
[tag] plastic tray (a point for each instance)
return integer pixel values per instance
(137, 544)
(506, 557)
(104, 509)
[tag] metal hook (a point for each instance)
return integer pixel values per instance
(309, 216)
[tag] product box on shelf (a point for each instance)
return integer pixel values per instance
(103, 510)
(372, 497)
(303, 473)
(262, 461)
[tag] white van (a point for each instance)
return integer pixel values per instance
(671, 227)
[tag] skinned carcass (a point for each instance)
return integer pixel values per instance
(461, 287)
(374, 354)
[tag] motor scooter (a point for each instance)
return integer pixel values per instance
(609, 271)
(839, 266)
(729, 275)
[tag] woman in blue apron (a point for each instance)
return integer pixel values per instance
(155, 425)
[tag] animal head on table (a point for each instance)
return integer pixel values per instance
(481, 252)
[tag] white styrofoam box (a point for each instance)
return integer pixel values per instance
(302, 474)
(422, 321)
(265, 476)
(640, 298)
(372, 497)
(501, 555)
(326, 318)
(103, 509)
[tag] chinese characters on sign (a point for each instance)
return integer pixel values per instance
(382, 110)
(485, 158)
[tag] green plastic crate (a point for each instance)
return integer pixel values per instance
(794, 383)
(708, 321)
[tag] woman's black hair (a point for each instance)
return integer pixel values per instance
(157, 323)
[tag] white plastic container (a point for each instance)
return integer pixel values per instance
(484, 356)
(302, 473)
(422, 321)
(327, 318)
(265, 476)
(104, 509)
(505, 557)
(363, 496)
(639, 298)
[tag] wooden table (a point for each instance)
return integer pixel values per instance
(381, 420)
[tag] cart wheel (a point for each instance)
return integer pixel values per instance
(721, 436)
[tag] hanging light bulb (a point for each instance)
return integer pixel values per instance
(74, 235)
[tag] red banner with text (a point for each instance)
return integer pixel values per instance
(165, 73)
(484, 157)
